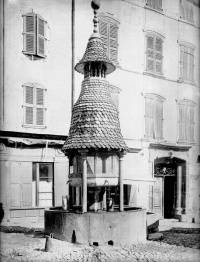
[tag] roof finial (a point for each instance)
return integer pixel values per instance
(95, 5)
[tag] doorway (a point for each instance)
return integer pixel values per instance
(165, 186)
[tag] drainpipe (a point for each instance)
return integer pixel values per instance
(3, 60)
(73, 49)
(121, 184)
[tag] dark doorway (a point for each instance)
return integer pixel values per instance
(169, 196)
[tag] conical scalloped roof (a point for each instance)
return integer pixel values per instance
(95, 122)
(95, 53)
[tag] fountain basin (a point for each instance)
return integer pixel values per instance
(97, 228)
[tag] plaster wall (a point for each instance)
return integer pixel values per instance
(50, 72)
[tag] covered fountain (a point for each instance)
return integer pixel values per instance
(95, 148)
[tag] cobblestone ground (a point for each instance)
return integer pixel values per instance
(177, 245)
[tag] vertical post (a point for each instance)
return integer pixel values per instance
(121, 184)
(178, 190)
(84, 202)
(73, 50)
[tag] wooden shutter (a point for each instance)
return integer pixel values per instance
(150, 197)
(182, 62)
(190, 123)
(103, 30)
(41, 34)
(150, 3)
(182, 122)
(26, 183)
(39, 106)
(149, 117)
(158, 119)
(186, 10)
(15, 192)
(190, 64)
(60, 180)
(113, 42)
(158, 4)
(158, 197)
(150, 53)
(28, 105)
(29, 34)
(158, 55)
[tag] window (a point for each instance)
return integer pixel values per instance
(154, 116)
(186, 10)
(186, 121)
(155, 4)
(34, 102)
(108, 29)
(42, 184)
(34, 33)
(186, 63)
(154, 54)
(114, 92)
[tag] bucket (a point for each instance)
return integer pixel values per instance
(49, 243)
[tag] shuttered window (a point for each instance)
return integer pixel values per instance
(154, 117)
(34, 35)
(108, 29)
(186, 10)
(34, 105)
(155, 4)
(186, 121)
(154, 54)
(186, 63)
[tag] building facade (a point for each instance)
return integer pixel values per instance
(155, 47)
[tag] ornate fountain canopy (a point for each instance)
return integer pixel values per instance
(95, 52)
(95, 121)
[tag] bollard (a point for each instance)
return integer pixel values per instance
(49, 243)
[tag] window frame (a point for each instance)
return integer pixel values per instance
(108, 19)
(39, 40)
(34, 105)
(153, 52)
(191, 105)
(155, 120)
(36, 173)
(187, 66)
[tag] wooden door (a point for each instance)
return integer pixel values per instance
(158, 196)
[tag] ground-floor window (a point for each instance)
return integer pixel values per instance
(42, 184)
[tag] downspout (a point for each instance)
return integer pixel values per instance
(73, 49)
(2, 62)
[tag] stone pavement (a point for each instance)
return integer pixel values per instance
(29, 247)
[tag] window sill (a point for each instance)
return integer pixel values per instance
(151, 139)
(186, 82)
(186, 142)
(154, 75)
(155, 10)
(35, 127)
(29, 208)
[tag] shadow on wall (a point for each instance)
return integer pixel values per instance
(1, 213)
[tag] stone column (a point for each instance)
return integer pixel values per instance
(178, 190)
(121, 184)
(84, 179)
